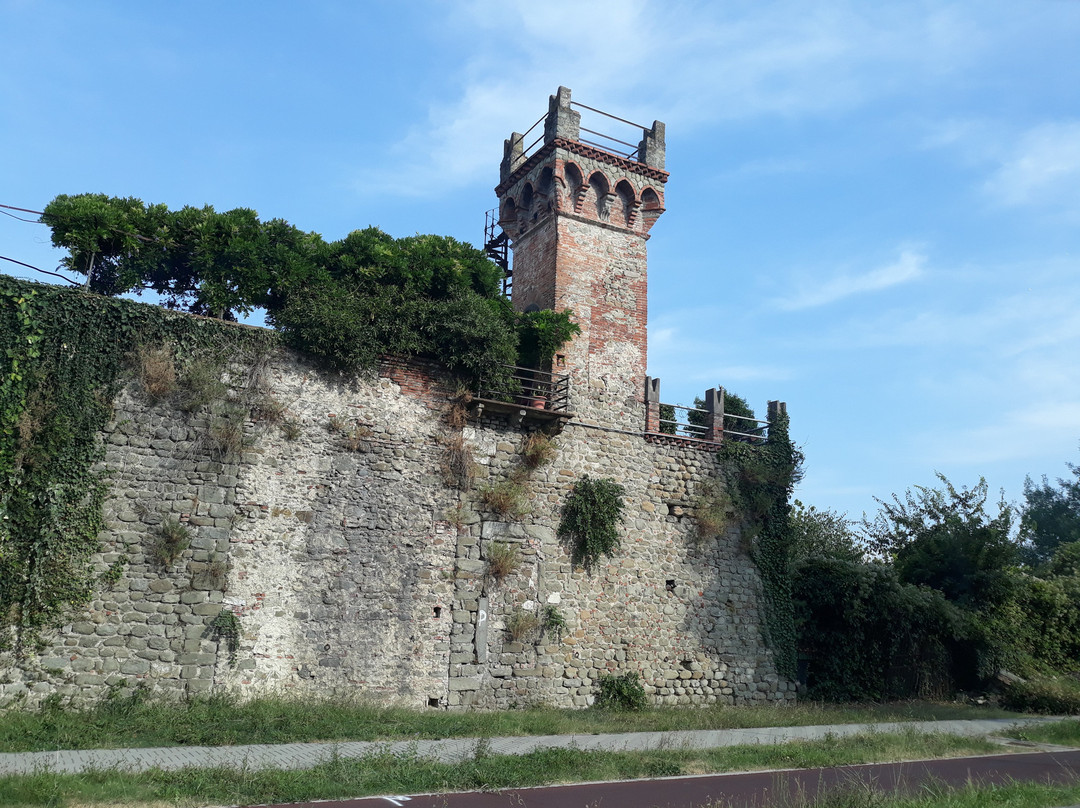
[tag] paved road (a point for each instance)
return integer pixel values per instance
(750, 789)
(307, 755)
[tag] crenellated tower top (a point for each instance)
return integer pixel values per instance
(577, 209)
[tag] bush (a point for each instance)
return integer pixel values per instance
(589, 519)
(1058, 696)
(623, 692)
(869, 637)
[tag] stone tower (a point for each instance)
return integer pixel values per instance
(578, 216)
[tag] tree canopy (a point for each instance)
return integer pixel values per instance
(347, 302)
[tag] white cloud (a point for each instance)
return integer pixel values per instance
(689, 64)
(908, 267)
(1042, 168)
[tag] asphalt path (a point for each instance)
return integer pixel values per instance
(756, 789)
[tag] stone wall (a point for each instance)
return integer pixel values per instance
(354, 568)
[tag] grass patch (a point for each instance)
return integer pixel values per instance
(1062, 733)
(135, 721)
(388, 773)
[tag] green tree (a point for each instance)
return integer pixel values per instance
(946, 539)
(822, 533)
(1051, 515)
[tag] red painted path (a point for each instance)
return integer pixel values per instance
(748, 789)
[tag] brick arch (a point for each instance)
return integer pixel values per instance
(624, 203)
(575, 187)
(598, 197)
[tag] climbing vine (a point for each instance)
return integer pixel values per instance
(760, 479)
(65, 354)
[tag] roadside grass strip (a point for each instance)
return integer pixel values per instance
(407, 772)
(135, 721)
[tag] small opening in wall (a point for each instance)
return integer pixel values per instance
(437, 611)
(560, 360)
(433, 701)
(671, 585)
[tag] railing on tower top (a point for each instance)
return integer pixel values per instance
(605, 144)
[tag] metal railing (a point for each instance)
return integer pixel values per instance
(683, 422)
(530, 388)
(633, 154)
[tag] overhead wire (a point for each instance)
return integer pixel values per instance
(39, 269)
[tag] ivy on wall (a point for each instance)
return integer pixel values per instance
(65, 354)
(760, 479)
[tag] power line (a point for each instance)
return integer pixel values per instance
(23, 210)
(20, 218)
(37, 269)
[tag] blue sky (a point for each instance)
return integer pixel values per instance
(873, 212)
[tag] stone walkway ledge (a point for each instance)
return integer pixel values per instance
(452, 750)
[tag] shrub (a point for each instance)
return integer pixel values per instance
(623, 692)
(520, 624)
(589, 518)
(1059, 696)
(503, 559)
(173, 539)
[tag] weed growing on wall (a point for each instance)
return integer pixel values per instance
(521, 624)
(589, 519)
(173, 539)
(711, 507)
(503, 559)
(538, 449)
(505, 498)
(226, 626)
(553, 620)
(624, 692)
(65, 355)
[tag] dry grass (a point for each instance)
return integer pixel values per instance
(521, 624)
(506, 498)
(458, 467)
(503, 560)
(538, 449)
(156, 371)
